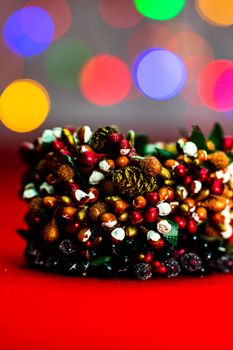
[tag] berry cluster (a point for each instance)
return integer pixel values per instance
(104, 204)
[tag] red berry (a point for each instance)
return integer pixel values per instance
(73, 227)
(88, 158)
(188, 180)
(180, 170)
(113, 138)
(181, 221)
(148, 257)
(152, 198)
(204, 175)
(227, 143)
(216, 187)
(88, 244)
(192, 226)
(158, 244)
(135, 217)
(162, 269)
(156, 264)
(58, 145)
(151, 215)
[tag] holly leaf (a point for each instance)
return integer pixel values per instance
(101, 260)
(216, 135)
(140, 142)
(198, 138)
(172, 236)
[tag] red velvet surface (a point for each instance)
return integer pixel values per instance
(44, 311)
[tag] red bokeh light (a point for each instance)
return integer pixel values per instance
(208, 80)
(105, 80)
(120, 13)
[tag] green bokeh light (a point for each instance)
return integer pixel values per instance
(159, 9)
(64, 60)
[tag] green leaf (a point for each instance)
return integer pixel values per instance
(216, 135)
(172, 236)
(162, 153)
(198, 138)
(101, 260)
(230, 156)
(140, 142)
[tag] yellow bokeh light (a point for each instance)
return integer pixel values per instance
(216, 12)
(24, 105)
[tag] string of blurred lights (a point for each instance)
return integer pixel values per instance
(165, 58)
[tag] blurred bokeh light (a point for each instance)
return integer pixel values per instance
(223, 91)
(159, 9)
(146, 36)
(159, 74)
(105, 80)
(60, 12)
(120, 13)
(64, 60)
(29, 31)
(208, 81)
(216, 12)
(24, 105)
(87, 54)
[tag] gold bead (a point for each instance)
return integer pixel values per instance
(50, 201)
(131, 231)
(184, 209)
(123, 217)
(203, 194)
(97, 241)
(215, 203)
(82, 214)
(68, 212)
(66, 201)
(141, 257)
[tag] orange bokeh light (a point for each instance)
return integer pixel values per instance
(216, 12)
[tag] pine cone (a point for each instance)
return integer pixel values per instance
(131, 181)
(99, 138)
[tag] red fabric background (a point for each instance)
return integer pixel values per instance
(44, 311)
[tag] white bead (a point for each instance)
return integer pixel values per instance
(197, 186)
(104, 165)
(48, 136)
(164, 227)
(196, 217)
(164, 208)
(57, 132)
(30, 193)
(48, 188)
(190, 149)
(87, 134)
(118, 233)
(86, 235)
(96, 177)
(225, 176)
(79, 194)
(153, 236)
(227, 233)
(124, 151)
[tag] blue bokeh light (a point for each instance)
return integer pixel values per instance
(159, 74)
(29, 31)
